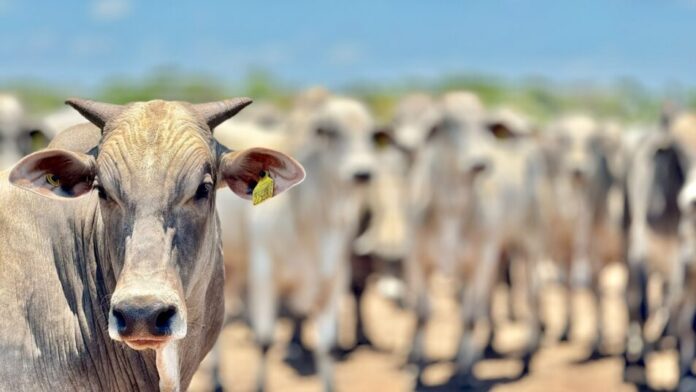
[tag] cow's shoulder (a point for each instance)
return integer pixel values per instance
(79, 138)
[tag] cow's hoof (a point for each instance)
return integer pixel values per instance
(526, 365)
(466, 382)
(565, 335)
(341, 354)
(301, 359)
(363, 340)
(491, 353)
(635, 374)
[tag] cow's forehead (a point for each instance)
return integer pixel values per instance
(347, 115)
(578, 127)
(156, 138)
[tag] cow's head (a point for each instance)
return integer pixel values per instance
(346, 136)
(581, 148)
(155, 173)
(17, 138)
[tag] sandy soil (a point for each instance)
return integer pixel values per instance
(557, 366)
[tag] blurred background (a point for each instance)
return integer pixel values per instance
(620, 64)
(618, 58)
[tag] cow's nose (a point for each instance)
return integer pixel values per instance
(144, 318)
(578, 172)
(362, 177)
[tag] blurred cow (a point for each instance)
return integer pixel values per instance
(298, 246)
(587, 209)
(683, 131)
(383, 238)
(661, 187)
(475, 200)
(17, 136)
(59, 120)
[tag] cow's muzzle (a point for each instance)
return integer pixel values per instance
(145, 322)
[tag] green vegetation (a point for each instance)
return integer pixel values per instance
(540, 98)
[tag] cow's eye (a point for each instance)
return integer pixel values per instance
(102, 193)
(203, 191)
(381, 140)
(327, 133)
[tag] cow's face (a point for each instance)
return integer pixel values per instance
(580, 148)
(155, 174)
(345, 135)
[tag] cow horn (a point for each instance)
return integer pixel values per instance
(214, 113)
(98, 113)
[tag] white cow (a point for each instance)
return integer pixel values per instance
(17, 138)
(587, 211)
(298, 246)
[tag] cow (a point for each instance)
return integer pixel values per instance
(59, 120)
(660, 208)
(586, 214)
(18, 137)
(682, 296)
(475, 208)
(301, 264)
(111, 269)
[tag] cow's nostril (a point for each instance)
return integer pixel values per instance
(121, 324)
(163, 321)
(362, 177)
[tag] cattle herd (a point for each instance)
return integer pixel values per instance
(122, 255)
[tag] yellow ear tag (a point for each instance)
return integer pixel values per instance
(263, 189)
(53, 180)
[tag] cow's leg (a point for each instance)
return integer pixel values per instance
(687, 343)
(507, 274)
(362, 267)
(598, 339)
(417, 277)
(327, 325)
(474, 310)
(327, 328)
(466, 353)
(533, 298)
(215, 367)
(638, 310)
(297, 351)
(334, 282)
(564, 335)
(262, 304)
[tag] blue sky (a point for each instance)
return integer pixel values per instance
(307, 42)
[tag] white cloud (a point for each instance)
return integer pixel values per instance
(107, 10)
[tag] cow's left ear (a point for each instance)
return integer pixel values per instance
(55, 173)
(242, 170)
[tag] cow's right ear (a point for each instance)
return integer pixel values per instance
(55, 173)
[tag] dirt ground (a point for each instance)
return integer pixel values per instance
(557, 366)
